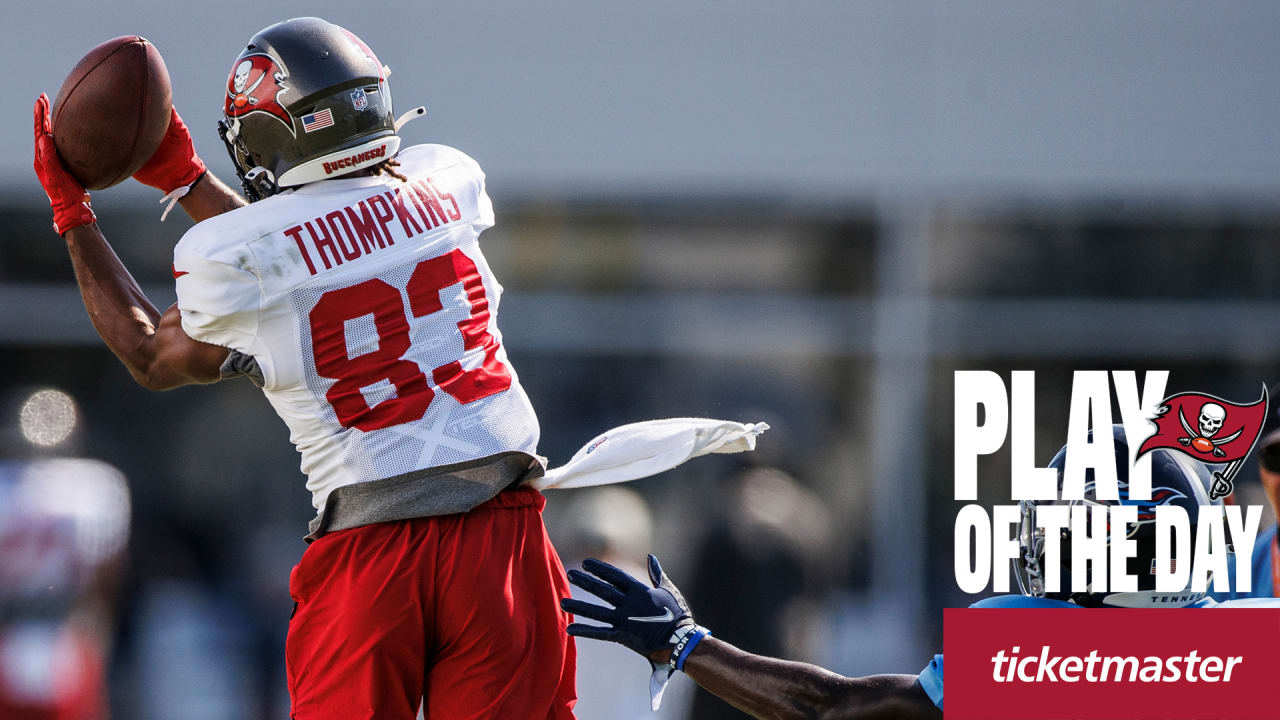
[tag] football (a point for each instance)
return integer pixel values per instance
(112, 111)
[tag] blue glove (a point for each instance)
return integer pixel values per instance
(646, 619)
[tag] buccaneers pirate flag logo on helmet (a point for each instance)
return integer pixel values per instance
(254, 85)
(1210, 430)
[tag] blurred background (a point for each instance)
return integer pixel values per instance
(807, 213)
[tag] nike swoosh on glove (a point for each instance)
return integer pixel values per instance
(67, 197)
(643, 618)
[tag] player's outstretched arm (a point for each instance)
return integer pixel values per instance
(656, 622)
(765, 687)
(177, 170)
(152, 346)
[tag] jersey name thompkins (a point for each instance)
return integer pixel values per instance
(372, 313)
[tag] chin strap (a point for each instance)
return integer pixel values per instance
(262, 181)
(233, 143)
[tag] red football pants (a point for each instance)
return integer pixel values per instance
(458, 612)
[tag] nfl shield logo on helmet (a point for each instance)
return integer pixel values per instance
(358, 99)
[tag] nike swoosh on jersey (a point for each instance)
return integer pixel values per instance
(655, 618)
(178, 273)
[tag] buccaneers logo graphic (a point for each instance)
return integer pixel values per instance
(1222, 432)
(379, 68)
(254, 85)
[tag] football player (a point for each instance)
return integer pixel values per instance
(64, 524)
(654, 620)
(1265, 561)
(353, 291)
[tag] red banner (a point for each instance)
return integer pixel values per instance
(1163, 664)
(1207, 428)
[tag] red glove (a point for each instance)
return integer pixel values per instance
(67, 196)
(175, 163)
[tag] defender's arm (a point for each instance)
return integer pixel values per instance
(655, 621)
(765, 687)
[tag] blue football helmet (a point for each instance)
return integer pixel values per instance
(1175, 480)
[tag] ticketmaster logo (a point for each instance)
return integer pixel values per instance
(1095, 669)
(354, 160)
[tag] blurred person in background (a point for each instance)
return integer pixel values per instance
(761, 569)
(63, 528)
(1266, 548)
(614, 524)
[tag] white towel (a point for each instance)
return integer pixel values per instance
(647, 448)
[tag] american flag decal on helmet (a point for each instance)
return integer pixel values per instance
(317, 120)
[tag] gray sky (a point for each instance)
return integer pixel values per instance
(834, 100)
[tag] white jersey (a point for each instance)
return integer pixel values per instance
(372, 314)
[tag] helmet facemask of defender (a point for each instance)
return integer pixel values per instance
(1175, 480)
(306, 100)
